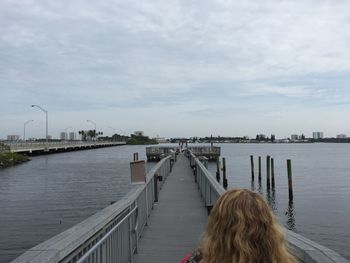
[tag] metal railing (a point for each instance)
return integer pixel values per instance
(306, 250)
(110, 235)
(112, 247)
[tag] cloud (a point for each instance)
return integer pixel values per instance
(229, 55)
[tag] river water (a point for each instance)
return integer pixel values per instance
(51, 193)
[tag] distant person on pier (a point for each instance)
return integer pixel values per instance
(242, 229)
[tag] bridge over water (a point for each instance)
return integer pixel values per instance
(33, 148)
(158, 221)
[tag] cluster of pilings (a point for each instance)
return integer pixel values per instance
(270, 173)
(223, 169)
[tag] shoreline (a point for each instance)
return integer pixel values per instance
(8, 159)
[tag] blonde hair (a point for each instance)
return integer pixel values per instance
(242, 229)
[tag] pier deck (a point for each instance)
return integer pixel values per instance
(177, 221)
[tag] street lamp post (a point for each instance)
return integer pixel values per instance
(94, 125)
(24, 129)
(47, 123)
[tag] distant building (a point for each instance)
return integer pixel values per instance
(317, 135)
(138, 133)
(260, 137)
(49, 137)
(72, 136)
(160, 139)
(341, 136)
(63, 136)
(12, 138)
(294, 137)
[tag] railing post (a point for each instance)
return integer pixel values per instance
(147, 213)
(155, 187)
(130, 241)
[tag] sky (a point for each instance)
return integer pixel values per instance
(175, 68)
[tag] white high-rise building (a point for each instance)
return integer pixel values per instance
(63, 136)
(72, 136)
(12, 137)
(317, 135)
(294, 137)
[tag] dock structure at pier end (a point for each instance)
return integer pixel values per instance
(210, 152)
(155, 153)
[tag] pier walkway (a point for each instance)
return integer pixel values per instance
(177, 221)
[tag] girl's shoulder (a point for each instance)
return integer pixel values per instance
(194, 257)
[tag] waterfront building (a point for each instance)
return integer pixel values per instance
(317, 135)
(72, 136)
(260, 137)
(341, 136)
(63, 136)
(294, 137)
(160, 139)
(12, 137)
(138, 133)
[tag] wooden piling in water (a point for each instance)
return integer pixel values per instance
(259, 168)
(136, 156)
(272, 174)
(224, 179)
(290, 181)
(268, 172)
(218, 169)
(252, 166)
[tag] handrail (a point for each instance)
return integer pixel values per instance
(306, 250)
(72, 244)
(89, 255)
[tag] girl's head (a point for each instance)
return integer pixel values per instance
(242, 229)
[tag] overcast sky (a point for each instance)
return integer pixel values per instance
(176, 68)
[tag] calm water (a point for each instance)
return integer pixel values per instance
(51, 193)
(321, 180)
(47, 195)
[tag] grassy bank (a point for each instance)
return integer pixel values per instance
(9, 159)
